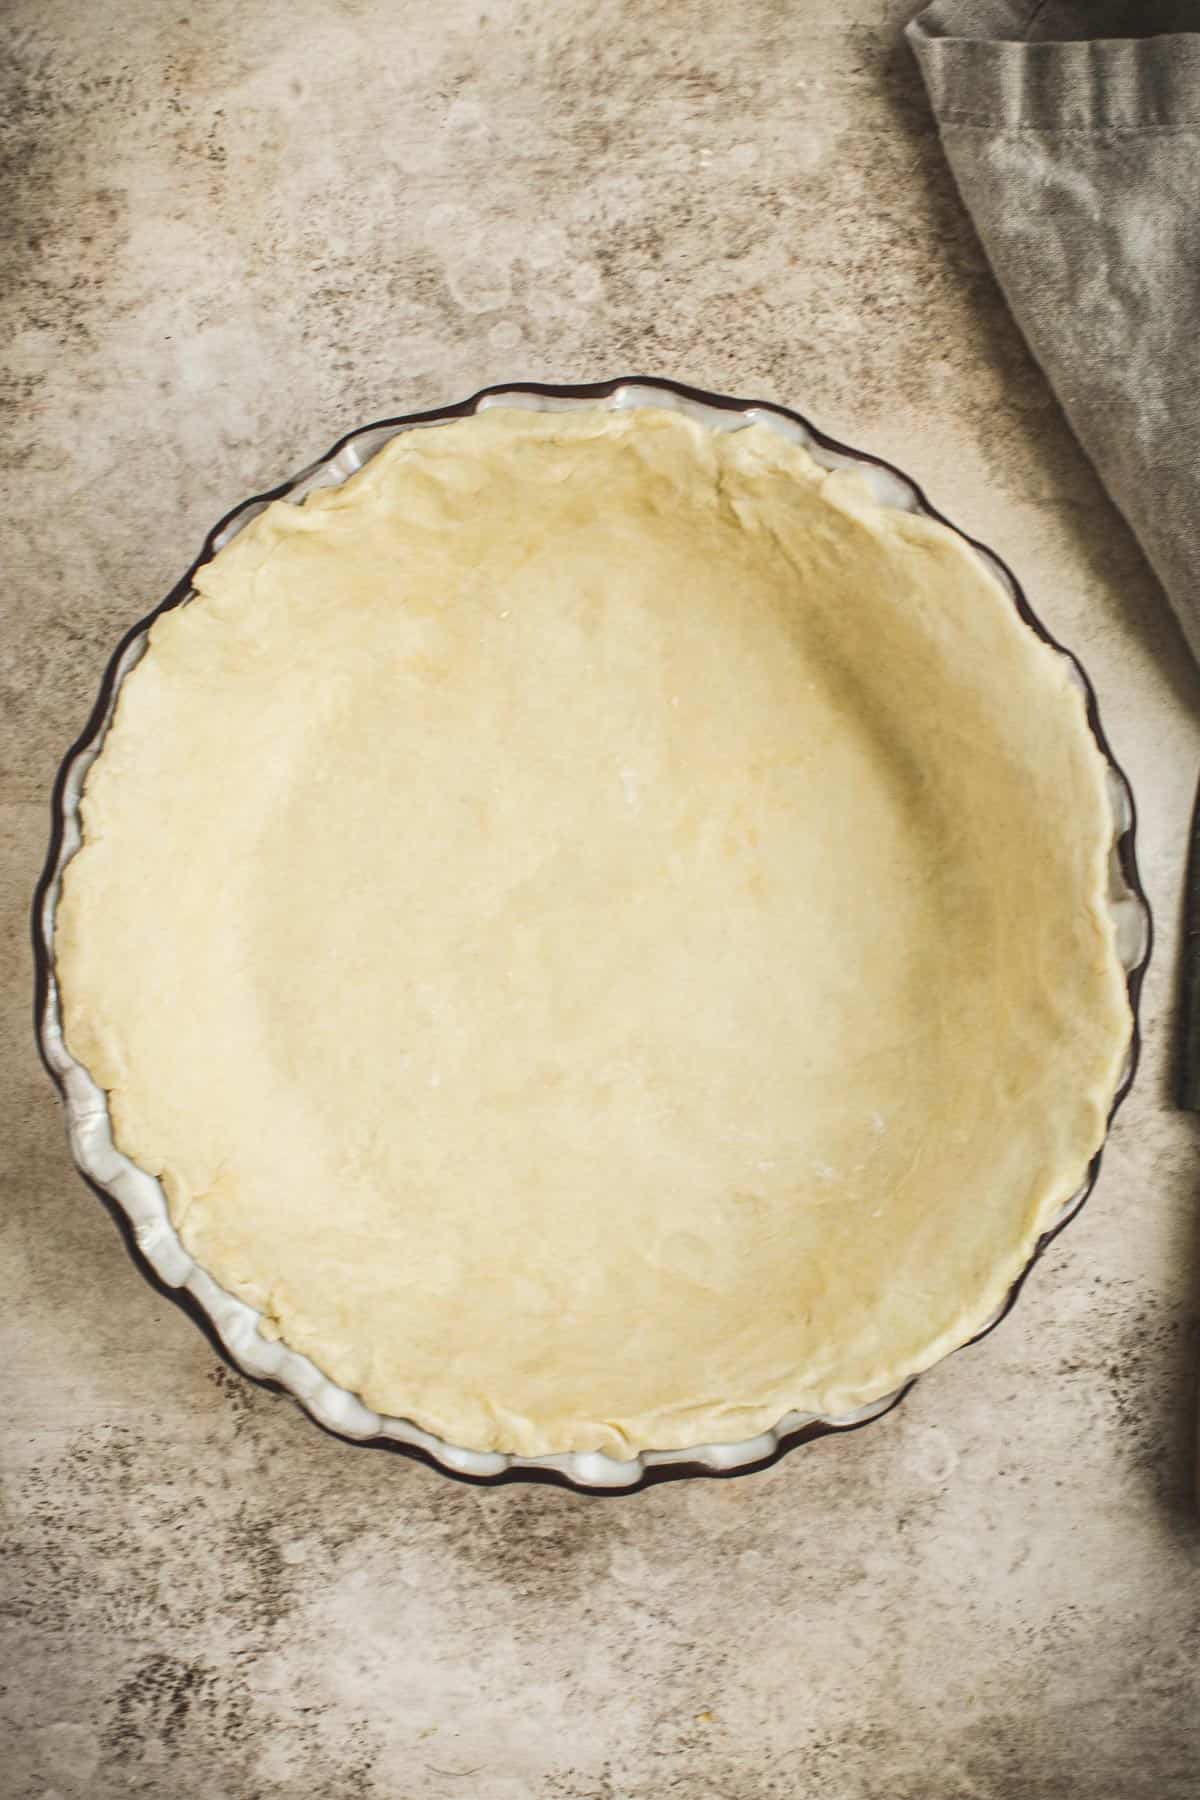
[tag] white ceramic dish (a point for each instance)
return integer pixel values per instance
(136, 1197)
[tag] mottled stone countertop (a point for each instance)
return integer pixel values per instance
(238, 229)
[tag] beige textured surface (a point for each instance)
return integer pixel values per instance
(237, 228)
(478, 928)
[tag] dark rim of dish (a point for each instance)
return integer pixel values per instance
(596, 390)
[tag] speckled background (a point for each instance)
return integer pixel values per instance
(234, 231)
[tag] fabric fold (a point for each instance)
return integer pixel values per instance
(1073, 132)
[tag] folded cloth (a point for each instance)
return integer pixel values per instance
(1073, 130)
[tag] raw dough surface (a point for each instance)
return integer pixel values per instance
(600, 929)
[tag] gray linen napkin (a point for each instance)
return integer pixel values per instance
(1073, 130)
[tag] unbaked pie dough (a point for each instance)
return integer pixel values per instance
(600, 928)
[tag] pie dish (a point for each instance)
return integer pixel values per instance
(590, 925)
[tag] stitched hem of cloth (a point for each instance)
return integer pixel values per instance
(961, 122)
(981, 69)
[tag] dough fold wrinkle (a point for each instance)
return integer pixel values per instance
(600, 927)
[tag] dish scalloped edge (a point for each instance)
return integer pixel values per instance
(136, 1199)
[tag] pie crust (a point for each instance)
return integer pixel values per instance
(600, 927)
